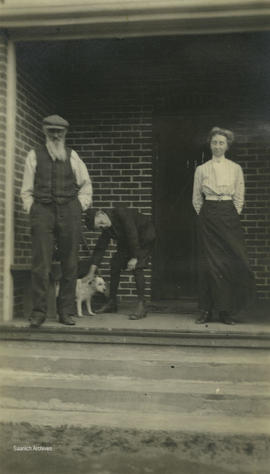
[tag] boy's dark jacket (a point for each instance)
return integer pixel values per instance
(131, 230)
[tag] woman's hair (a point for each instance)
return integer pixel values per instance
(221, 131)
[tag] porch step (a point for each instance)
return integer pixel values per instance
(136, 387)
(147, 369)
(148, 362)
(95, 394)
(112, 333)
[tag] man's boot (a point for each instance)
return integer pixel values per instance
(140, 312)
(37, 319)
(66, 319)
(109, 307)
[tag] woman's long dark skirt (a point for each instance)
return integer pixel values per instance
(226, 282)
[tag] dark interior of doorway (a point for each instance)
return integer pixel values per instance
(177, 152)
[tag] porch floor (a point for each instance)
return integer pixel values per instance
(166, 323)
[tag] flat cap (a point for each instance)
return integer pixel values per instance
(55, 121)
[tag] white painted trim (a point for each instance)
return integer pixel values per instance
(124, 18)
(52, 7)
(9, 188)
(72, 34)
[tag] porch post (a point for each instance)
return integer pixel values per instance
(9, 181)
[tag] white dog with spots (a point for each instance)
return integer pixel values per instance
(85, 290)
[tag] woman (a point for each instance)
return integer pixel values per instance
(226, 283)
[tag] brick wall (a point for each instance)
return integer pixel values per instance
(127, 84)
(115, 142)
(3, 125)
(253, 152)
(33, 103)
(111, 91)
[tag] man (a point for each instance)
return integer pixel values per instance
(135, 236)
(56, 189)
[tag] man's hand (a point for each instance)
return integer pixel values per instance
(132, 264)
(91, 273)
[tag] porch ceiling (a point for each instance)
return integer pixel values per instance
(110, 18)
(175, 67)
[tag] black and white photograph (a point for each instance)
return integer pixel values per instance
(135, 236)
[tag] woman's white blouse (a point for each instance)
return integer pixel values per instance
(218, 178)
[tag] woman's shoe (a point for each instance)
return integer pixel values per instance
(225, 318)
(205, 317)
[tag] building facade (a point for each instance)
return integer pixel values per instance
(141, 87)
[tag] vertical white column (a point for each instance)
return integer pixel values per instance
(9, 188)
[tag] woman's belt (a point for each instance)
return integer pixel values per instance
(219, 197)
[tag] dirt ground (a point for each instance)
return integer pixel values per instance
(28, 449)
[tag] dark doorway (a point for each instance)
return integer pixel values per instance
(176, 156)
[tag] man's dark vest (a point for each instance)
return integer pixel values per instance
(54, 180)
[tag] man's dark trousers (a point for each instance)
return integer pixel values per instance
(119, 262)
(61, 224)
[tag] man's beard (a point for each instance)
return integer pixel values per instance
(56, 149)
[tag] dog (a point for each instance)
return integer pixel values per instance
(85, 290)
